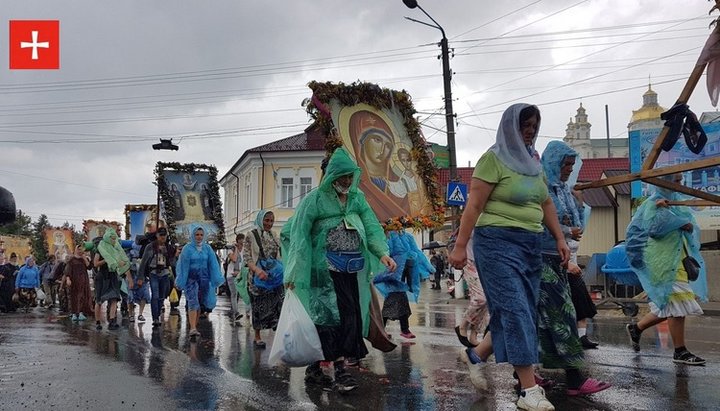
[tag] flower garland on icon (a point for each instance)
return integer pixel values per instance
(381, 98)
(169, 205)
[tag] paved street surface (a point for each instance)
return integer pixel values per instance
(47, 362)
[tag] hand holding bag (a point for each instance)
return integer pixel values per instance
(272, 266)
(296, 342)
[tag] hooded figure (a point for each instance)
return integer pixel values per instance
(113, 254)
(654, 246)
(198, 267)
(336, 243)
(319, 212)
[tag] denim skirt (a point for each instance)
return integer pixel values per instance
(509, 263)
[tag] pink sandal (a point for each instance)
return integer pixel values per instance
(590, 386)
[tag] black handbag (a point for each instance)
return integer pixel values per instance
(691, 265)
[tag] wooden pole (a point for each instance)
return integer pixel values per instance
(657, 172)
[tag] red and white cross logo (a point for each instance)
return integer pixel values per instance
(35, 44)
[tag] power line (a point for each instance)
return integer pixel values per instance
(527, 24)
(71, 183)
(497, 19)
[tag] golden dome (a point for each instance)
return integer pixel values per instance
(647, 113)
(650, 109)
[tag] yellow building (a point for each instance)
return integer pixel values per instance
(274, 176)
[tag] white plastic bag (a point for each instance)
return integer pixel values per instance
(296, 341)
(39, 294)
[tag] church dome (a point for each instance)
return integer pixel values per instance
(650, 109)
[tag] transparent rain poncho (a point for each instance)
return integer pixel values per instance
(306, 264)
(199, 260)
(654, 244)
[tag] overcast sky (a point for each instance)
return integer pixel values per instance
(231, 75)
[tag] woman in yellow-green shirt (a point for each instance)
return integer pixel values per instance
(507, 207)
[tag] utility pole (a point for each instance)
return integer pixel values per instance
(449, 115)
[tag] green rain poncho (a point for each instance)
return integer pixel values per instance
(112, 253)
(319, 212)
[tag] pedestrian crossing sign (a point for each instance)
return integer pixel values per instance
(456, 194)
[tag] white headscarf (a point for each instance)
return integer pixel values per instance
(509, 146)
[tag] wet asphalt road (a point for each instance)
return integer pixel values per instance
(47, 362)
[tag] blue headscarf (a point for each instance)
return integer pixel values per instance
(553, 159)
(259, 219)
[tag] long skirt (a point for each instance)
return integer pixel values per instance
(107, 287)
(80, 297)
(584, 305)
(346, 339)
(509, 263)
(396, 306)
(266, 306)
(557, 325)
(476, 314)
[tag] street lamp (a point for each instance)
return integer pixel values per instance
(165, 144)
(447, 76)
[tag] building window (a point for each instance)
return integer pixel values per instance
(305, 186)
(286, 192)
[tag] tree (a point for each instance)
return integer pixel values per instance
(39, 243)
(22, 226)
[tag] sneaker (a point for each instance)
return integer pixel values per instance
(237, 318)
(113, 325)
(407, 335)
(81, 317)
(477, 374)
(131, 319)
(587, 343)
(344, 382)
(315, 375)
(74, 317)
(156, 324)
(352, 362)
(634, 334)
(688, 358)
(533, 399)
(141, 319)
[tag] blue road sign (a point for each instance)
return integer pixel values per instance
(456, 194)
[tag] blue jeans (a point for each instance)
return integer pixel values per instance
(160, 286)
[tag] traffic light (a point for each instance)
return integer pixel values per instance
(165, 144)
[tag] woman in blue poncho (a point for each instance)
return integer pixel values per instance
(658, 238)
(27, 280)
(198, 274)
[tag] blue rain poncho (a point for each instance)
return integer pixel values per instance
(402, 249)
(422, 263)
(198, 262)
(570, 213)
(28, 277)
(654, 244)
(306, 264)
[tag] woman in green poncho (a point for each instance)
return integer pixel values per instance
(333, 281)
(111, 262)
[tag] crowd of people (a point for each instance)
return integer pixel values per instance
(517, 246)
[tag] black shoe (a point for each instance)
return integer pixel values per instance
(687, 358)
(463, 339)
(344, 382)
(315, 375)
(587, 343)
(352, 362)
(98, 326)
(634, 334)
(113, 325)
(156, 324)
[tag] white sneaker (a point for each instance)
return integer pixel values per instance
(477, 372)
(533, 399)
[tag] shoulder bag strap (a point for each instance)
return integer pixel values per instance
(259, 243)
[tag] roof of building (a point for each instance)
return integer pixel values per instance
(650, 109)
(464, 175)
(623, 188)
(593, 168)
(599, 197)
(312, 139)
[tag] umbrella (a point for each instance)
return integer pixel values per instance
(433, 245)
